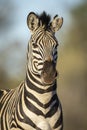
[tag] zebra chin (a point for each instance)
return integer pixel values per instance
(47, 81)
(49, 73)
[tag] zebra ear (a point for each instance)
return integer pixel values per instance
(32, 21)
(56, 23)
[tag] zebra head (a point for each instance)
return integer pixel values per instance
(42, 54)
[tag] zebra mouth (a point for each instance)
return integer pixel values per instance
(49, 73)
(48, 79)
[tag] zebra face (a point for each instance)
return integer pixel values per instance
(43, 53)
(43, 46)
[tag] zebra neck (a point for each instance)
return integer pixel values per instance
(35, 94)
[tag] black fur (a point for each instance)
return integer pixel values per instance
(45, 19)
(1, 93)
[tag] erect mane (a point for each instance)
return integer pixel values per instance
(45, 19)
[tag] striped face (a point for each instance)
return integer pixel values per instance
(42, 55)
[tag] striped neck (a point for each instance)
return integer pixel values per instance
(39, 99)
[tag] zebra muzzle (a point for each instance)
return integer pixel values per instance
(49, 73)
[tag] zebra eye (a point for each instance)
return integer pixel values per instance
(34, 45)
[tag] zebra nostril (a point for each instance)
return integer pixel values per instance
(56, 74)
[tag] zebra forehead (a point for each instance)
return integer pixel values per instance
(44, 37)
(48, 41)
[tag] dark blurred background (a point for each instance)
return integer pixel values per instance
(72, 52)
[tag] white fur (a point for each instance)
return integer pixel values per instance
(43, 124)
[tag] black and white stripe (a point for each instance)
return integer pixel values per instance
(34, 104)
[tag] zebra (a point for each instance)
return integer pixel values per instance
(34, 104)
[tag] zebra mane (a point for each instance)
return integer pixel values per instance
(45, 19)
